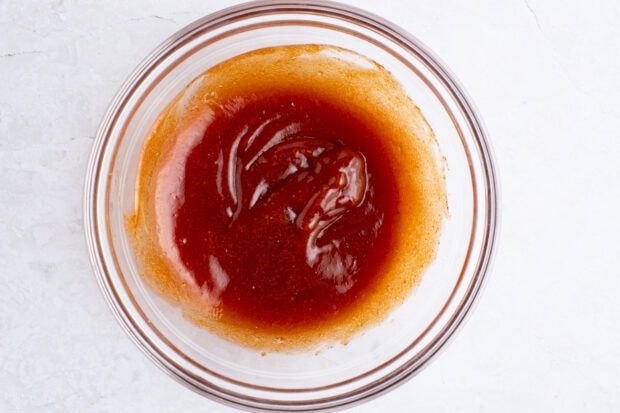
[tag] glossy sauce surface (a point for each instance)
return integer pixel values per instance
(288, 200)
(288, 197)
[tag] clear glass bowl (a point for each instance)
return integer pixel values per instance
(371, 363)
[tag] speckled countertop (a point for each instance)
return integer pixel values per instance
(544, 337)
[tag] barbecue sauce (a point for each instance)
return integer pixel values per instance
(289, 196)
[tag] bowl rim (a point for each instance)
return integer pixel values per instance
(356, 17)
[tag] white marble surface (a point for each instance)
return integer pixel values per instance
(544, 337)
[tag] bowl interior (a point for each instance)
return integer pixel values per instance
(374, 359)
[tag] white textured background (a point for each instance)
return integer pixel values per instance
(545, 75)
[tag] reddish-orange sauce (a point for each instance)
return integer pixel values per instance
(289, 197)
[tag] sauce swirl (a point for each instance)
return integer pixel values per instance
(281, 199)
(293, 207)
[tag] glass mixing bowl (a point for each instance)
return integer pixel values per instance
(377, 359)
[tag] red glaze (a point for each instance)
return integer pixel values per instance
(289, 197)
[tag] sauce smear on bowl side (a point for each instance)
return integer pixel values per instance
(289, 196)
